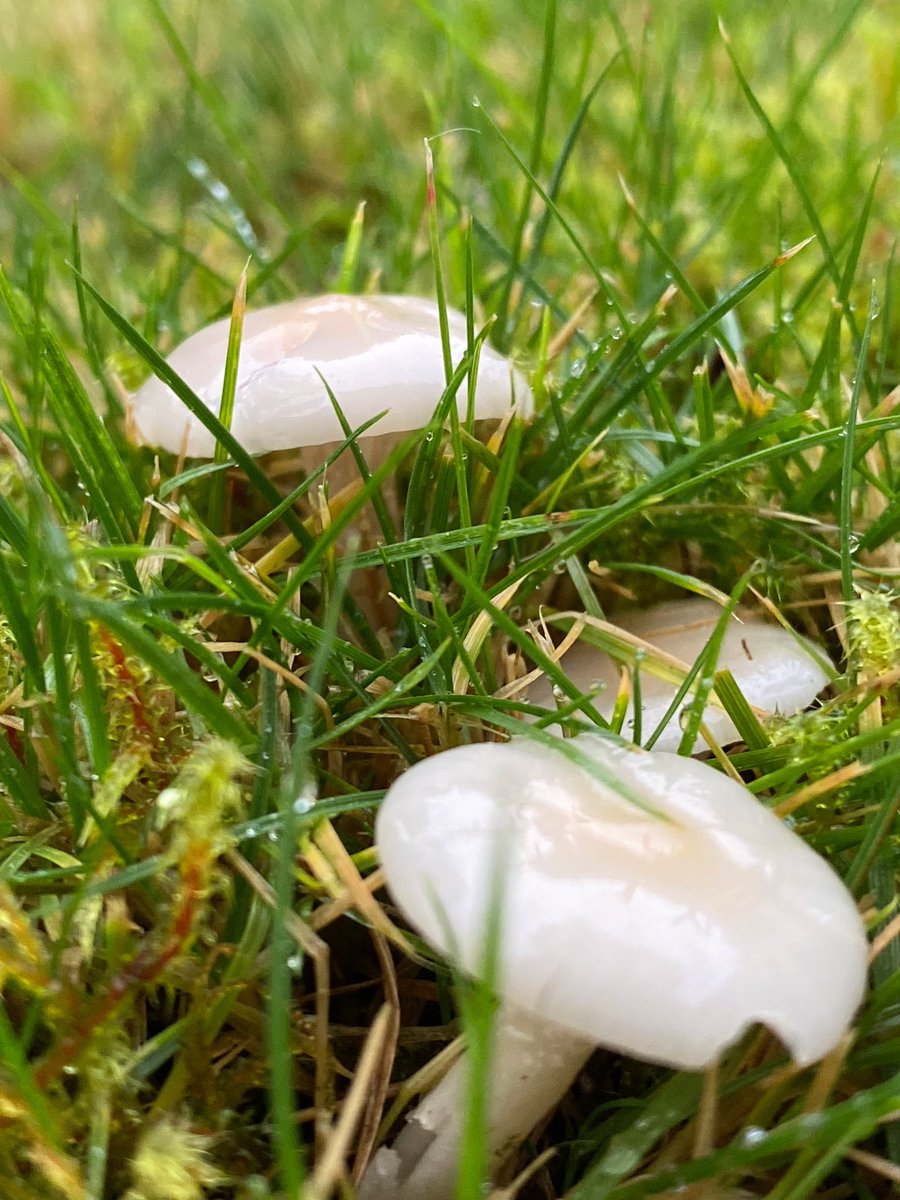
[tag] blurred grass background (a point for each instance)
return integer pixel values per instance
(191, 135)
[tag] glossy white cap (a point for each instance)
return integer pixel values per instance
(663, 936)
(376, 353)
(777, 671)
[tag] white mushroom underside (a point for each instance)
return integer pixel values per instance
(777, 671)
(661, 936)
(376, 353)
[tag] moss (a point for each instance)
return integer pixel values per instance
(172, 1162)
(873, 628)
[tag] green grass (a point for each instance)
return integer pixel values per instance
(720, 413)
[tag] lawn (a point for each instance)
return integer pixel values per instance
(680, 223)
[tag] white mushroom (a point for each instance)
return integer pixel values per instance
(649, 904)
(777, 671)
(376, 353)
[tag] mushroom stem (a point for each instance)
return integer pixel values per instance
(532, 1067)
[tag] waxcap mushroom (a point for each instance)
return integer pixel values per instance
(777, 671)
(376, 353)
(649, 903)
(660, 912)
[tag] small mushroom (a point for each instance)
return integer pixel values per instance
(649, 904)
(777, 671)
(376, 353)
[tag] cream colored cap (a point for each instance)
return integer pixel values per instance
(777, 671)
(663, 934)
(376, 353)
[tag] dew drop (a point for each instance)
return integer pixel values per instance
(305, 800)
(752, 1135)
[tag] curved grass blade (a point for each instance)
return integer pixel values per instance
(226, 408)
(195, 405)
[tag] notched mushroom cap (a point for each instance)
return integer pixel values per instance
(663, 936)
(375, 352)
(776, 670)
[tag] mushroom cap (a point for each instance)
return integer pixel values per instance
(376, 353)
(777, 671)
(663, 934)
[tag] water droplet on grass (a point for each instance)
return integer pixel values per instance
(752, 1135)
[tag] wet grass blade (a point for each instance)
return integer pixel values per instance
(534, 164)
(352, 248)
(849, 539)
(99, 465)
(234, 449)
